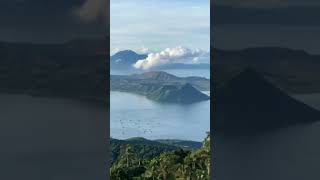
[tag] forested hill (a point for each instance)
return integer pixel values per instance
(165, 164)
(148, 149)
(162, 86)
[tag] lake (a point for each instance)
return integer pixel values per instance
(50, 138)
(291, 153)
(136, 116)
(177, 72)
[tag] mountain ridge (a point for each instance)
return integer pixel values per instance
(148, 149)
(125, 59)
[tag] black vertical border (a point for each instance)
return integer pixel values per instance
(212, 93)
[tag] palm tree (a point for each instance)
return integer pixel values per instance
(153, 168)
(128, 155)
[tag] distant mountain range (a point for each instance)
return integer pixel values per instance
(124, 60)
(78, 68)
(162, 86)
(249, 103)
(184, 144)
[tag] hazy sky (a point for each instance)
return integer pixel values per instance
(154, 25)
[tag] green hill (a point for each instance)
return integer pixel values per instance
(148, 149)
(162, 87)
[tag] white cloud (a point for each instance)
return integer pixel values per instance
(169, 56)
(92, 10)
(114, 50)
(143, 50)
(195, 60)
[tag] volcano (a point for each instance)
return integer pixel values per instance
(248, 103)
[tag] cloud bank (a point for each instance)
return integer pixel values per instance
(169, 56)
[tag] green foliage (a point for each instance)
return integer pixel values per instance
(143, 149)
(176, 164)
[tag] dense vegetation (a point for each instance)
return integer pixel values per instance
(142, 148)
(170, 165)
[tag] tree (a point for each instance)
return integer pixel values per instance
(178, 164)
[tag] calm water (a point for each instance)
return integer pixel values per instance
(47, 138)
(287, 154)
(177, 72)
(136, 116)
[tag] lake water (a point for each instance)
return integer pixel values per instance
(291, 153)
(49, 138)
(177, 72)
(136, 116)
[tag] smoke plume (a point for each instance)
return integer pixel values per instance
(169, 56)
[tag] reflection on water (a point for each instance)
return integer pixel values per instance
(136, 116)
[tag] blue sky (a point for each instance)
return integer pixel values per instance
(154, 25)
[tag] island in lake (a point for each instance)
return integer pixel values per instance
(163, 87)
(255, 93)
(265, 113)
(249, 103)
